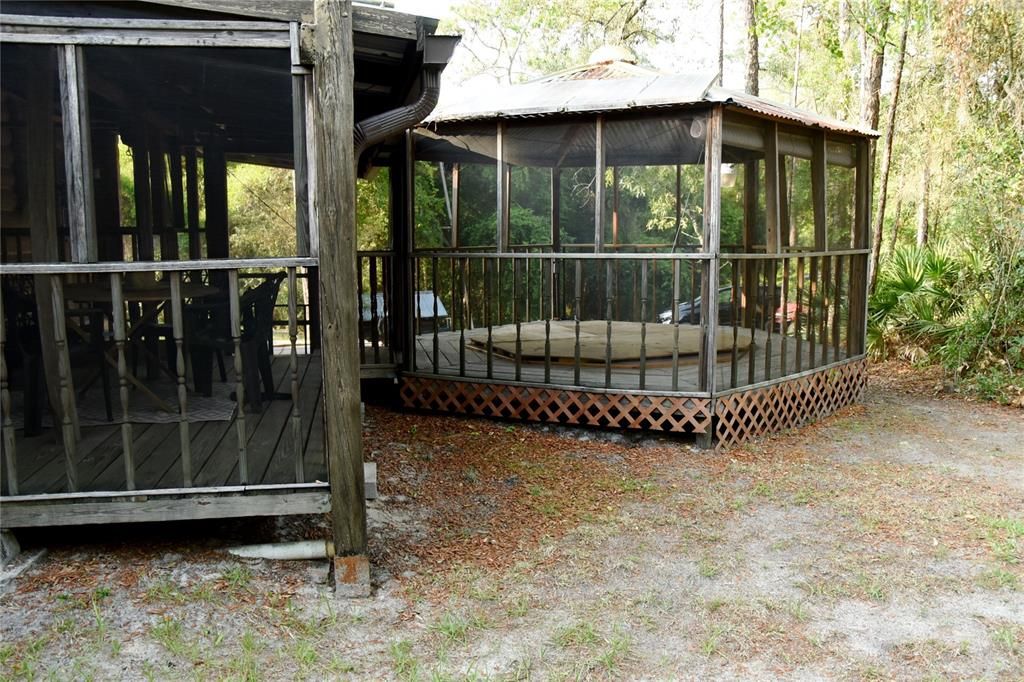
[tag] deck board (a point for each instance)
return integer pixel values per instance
(214, 446)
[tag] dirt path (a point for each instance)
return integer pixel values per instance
(884, 542)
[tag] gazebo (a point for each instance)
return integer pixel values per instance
(591, 214)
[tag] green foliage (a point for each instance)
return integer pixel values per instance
(261, 211)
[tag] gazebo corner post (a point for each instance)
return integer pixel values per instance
(858, 281)
(599, 190)
(335, 209)
(712, 250)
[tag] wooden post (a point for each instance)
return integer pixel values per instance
(74, 100)
(751, 189)
(300, 164)
(771, 188)
(502, 192)
(456, 192)
(143, 205)
(712, 247)
(215, 184)
(819, 183)
(177, 193)
(556, 242)
(858, 281)
(195, 250)
(158, 192)
(401, 314)
(599, 186)
(107, 189)
(335, 205)
(42, 211)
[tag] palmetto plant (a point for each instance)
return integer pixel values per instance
(918, 302)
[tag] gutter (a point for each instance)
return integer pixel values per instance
(375, 129)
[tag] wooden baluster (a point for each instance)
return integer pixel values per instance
(293, 365)
(576, 316)
(435, 292)
(784, 324)
(515, 319)
(177, 330)
(67, 394)
(461, 266)
(675, 321)
(694, 287)
(547, 322)
(837, 300)
(643, 324)
(735, 321)
(487, 316)
(800, 308)
(359, 296)
(770, 283)
(120, 338)
(236, 339)
(10, 455)
(812, 303)
(374, 312)
(826, 301)
(609, 305)
(755, 288)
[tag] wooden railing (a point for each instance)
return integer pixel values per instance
(778, 315)
(483, 292)
(127, 317)
(376, 322)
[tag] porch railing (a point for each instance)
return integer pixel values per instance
(129, 307)
(499, 317)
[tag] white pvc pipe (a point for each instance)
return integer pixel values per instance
(286, 551)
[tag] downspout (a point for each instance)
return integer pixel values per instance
(374, 129)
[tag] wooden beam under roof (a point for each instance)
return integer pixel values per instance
(370, 20)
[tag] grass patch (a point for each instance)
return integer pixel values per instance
(580, 633)
(405, 664)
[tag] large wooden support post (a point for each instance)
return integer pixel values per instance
(42, 210)
(74, 100)
(599, 166)
(215, 185)
(335, 203)
(711, 247)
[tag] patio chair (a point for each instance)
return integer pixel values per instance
(208, 332)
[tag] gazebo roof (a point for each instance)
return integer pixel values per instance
(615, 85)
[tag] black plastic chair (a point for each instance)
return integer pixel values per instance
(208, 332)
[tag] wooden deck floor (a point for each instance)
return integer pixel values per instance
(214, 447)
(762, 363)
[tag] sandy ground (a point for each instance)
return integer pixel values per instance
(885, 542)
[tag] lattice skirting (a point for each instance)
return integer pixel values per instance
(559, 406)
(744, 415)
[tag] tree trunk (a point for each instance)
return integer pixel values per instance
(897, 223)
(922, 206)
(753, 63)
(721, 41)
(872, 71)
(876, 243)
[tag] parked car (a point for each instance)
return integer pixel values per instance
(689, 313)
(725, 311)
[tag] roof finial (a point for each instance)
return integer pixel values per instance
(612, 53)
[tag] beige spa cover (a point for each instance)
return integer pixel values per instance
(593, 341)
